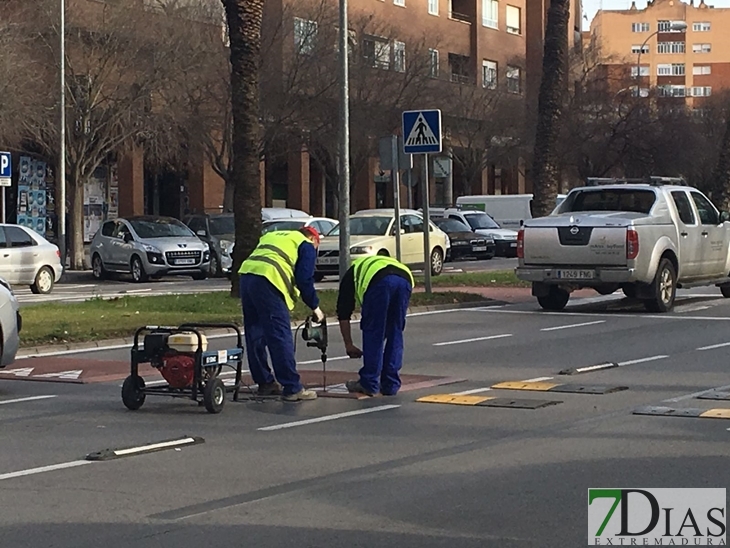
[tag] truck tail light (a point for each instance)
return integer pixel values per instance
(521, 244)
(632, 243)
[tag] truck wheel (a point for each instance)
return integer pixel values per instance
(664, 287)
(555, 300)
(725, 290)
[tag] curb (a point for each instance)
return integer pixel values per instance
(126, 342)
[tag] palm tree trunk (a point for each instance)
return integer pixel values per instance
(722, 172)
(244, 27)
(546, 169)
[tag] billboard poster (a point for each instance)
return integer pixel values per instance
(32, 194)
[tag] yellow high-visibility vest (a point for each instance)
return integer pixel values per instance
(366, 268)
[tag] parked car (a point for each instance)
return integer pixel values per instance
(372, 232)
(27, 258)
(10, 324)
(148, 247)
(507, 210)
(218, 231)
(646, 237)
(271, 213)
(323, 225)
(465, 243)
(505, 240)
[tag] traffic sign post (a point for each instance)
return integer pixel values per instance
(422, 135)
(396, 192)
(6, 175)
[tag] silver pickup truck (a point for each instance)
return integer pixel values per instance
(646, 238)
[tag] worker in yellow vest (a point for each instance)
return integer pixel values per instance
(272, 278)
(382, 287)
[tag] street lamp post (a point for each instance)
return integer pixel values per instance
(344, 152)
(61, 168)
(678, 26)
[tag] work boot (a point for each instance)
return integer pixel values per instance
(355, 386)
(269, 389)
(302, 395)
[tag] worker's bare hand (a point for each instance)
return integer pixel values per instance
(318, 314)
(353, 351)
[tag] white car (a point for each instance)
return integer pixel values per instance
(27, 258)
(323, 225)
(10, 324)
(372, 232)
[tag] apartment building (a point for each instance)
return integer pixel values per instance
(681, 50)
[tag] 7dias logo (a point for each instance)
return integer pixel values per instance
(656, 517)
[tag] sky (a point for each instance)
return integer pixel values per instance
(590, 7)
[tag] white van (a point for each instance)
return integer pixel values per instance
(509, 210)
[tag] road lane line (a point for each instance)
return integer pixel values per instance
(643, 360)
(31, 398)
(42, 469)
(326, 418)
(476, 339)
(695, 394)
(571, 326)
(310, 362)
(538, 379)
(713, 346)
(472, 391)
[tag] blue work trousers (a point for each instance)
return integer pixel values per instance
(267, 324)
(384, 308)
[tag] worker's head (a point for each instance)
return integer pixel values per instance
(312, 235)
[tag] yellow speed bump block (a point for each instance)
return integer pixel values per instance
(540, 386)
(717, 413)
(454, 399)
(486, 401)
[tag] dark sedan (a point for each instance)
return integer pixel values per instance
(465, 242)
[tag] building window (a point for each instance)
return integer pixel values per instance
(672, 91)
(701, 48)
(639, 27)
(514, 85)
(639, 92)
(636, 49)
(433, 7)
(701, 27)
(376, 52)
(305, 35)
(433, 68)
(643, 71)
(489, 74)
(399, 56)
(460, 69)
(664, 70)
(400, 3)
(514, 20)
(666, 26)
(670, 47)
(490, 13)
(698, 70)
(701, 91)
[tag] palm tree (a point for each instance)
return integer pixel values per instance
(546, 169)
(244, 31)
(722, 170)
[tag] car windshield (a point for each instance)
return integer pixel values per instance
(480, 221)
(451, 225)
(365, 226)
(282, 225)
(160, 228)
(609, 199)
(220, 226)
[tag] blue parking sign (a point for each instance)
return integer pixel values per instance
(422, 131)
(6, 165)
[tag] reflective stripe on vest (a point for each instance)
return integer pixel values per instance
(274, 259)
(366, 268)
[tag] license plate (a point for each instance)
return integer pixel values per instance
(480, 248)
(575, 274)
(328, 260)
(185, 261)
(513, 244)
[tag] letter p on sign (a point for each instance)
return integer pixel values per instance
(5, 167)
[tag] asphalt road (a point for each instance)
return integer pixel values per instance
(81, 286)
(399, 474)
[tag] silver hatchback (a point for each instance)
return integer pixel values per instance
(148, 247)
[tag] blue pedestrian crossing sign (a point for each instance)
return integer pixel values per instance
(421, 131)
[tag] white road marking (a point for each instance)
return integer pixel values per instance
(31, 398)
(326, 418)
(472, 391)
(41, 469)
(643, 360)
(476, 339)
(23, 372)
(571, 326)
(695, 394)
(310, 362)
(598, 367)
(713, 346)
(603, 315)
(538, 379)
(71, 375)
(153, 447)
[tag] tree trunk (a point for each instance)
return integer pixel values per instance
(244, 26)
(722, 171)
(228, 192)
(76, 239)
(546, 169)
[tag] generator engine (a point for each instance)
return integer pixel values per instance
(174, 356)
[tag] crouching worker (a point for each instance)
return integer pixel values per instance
(382, 287)
(271, 279)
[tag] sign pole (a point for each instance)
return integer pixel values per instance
(3, 205)
(426, 227)
(396, 192)
(409, 179)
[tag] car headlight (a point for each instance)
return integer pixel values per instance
(495, 236)
(151, 249)
(226, 246)
(361, 250)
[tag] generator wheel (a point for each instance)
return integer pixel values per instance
(133, 392)
(214, 395)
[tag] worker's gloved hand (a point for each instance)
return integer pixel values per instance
(353, 351)
(318, 314)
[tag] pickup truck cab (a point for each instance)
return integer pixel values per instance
(647, 237)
